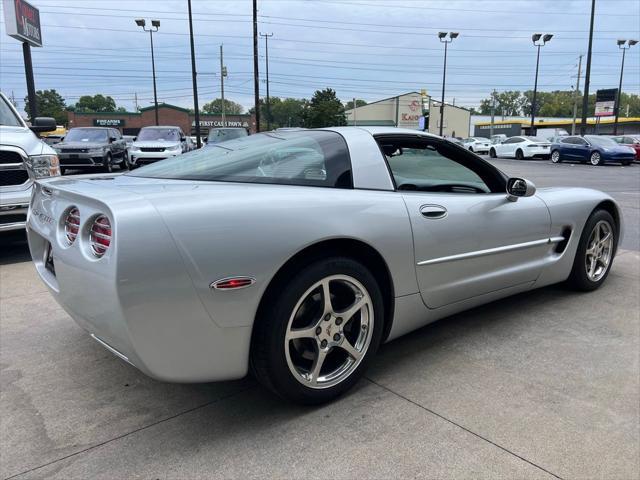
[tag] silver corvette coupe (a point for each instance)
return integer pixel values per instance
(297, 253)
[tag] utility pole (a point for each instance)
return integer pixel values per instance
(223, 73)
(493, 112)
(355, 120)
(31, 87)
(196, 109)
(135, 100)
(575, 98)
(587, 77)
(256, 83)
(266, 51)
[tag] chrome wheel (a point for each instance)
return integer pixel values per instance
(555, 156)
(595, 158)
(329, 331)
(599, 250)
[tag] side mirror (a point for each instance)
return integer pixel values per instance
(43, 124)
(135, 139)
(205, 139)
(519, 187)
(183, 139)
(112, 139)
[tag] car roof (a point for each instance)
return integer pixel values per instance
(161, 126)
(380, 130)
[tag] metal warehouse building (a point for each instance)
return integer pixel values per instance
(412, 110)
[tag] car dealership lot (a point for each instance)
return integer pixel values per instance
(539, 385)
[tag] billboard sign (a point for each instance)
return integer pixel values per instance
(606, 102)
(22, 21)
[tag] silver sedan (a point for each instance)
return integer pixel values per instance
(295, 254)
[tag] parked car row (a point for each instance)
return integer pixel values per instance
(594, 149)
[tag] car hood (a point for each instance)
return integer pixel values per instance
(156, 144)
(25, 139)
(80, 145)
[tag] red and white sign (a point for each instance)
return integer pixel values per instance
(605, 109)
(22, 21)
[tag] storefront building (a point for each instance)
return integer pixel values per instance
(130, 123)
(413, 110)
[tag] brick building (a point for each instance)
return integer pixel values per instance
(130, 123)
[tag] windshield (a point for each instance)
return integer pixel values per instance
(86, 135)
(314, 158)
(159, 135)
(7, 116)
(223, 134)
(601, 141)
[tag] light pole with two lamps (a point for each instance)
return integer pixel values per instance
(621, 46)
(155, 24)
(442, 36)
(536, 42)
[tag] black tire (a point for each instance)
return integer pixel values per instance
(268, 357)
(107, 164)
(492, 153)
(626, 164)
(124, 165)
(519, 155)
(578, 279)
(595, 159)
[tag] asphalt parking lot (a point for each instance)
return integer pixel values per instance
(541, 385)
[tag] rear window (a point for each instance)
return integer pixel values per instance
(311, 158)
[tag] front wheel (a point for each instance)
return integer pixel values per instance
(595, 252)
(107, 164)
(319, 332)
(492, 153)
(519, 155)
(124, 165)
(555, 156)
(595, 159)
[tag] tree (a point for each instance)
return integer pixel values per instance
(507, 103)
(285, 112)
(359, 103)
(215, 107)
(325, 110)
(50, 104)
(95, 103)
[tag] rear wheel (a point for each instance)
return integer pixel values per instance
(595, 252)
(519, 154)
(626, 164)
(471, 149)
(595, 159)
(318, 334)
(555, 156)
(492, 153)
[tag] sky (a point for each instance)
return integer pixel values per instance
(365, 49)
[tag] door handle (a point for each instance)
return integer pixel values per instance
(433, 212)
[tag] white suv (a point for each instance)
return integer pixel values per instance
(157, 143)
(23, 159)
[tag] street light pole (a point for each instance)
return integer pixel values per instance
(536, 39)
(587, 76)
(442, 36)
(266, 51)
(194, 78)
(155, 25)
(621, 45)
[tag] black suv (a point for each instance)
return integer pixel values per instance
(92, 147)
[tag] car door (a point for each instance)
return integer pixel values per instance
(581, 149)
(469, 238)
(506, 147)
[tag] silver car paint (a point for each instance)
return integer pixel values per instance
(149, 297)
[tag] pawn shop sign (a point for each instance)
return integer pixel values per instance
(22, 21)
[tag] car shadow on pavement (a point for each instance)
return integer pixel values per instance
(14, 248)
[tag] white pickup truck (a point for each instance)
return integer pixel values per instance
(23, 159)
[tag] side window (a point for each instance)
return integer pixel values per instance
(423, 166)
(569, 140)
(579, 141)
(511, 140)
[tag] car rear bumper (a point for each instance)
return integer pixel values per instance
(537, 152)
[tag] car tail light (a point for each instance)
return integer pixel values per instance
(100, 236)
(72, 225)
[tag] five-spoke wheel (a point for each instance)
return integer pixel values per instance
(318, 330)
(599, 251)
(329, 331)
